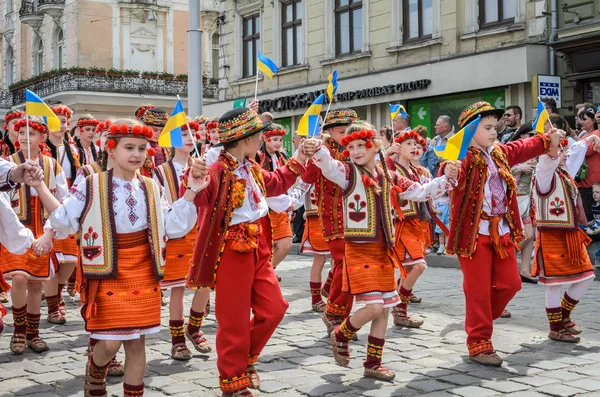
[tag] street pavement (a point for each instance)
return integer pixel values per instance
(430, 361)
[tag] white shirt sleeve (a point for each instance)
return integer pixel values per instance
(179, 218)
(544, 172)
(15, 237)
(5, 167)
(213, 155)
(433, 189)
(279, 203)
(62, 188)
(332, 169)
(64, 220)
(576, 156)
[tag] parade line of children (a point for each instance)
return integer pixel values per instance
(125, 219)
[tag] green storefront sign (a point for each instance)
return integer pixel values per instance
(287, 139)
(425, 112)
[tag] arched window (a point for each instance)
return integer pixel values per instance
(59, 49)
(215, 56)
(9, 66)
(38, 55)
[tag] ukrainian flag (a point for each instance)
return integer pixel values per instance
(397, 109)
(458, 144)
(34, 106)
(172, 135)
(541, 118)
(333, 85)
(266, 66)
(309, 123)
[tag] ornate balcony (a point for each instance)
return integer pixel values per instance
(5, 99)
(80, 80)
(52, 7)
(211, 6)
(30, 14)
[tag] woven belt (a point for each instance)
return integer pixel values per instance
(244, 236)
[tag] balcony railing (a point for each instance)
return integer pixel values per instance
(5, 99)
(64, 81)
(51, 2)
(28, 7)
(211, 5)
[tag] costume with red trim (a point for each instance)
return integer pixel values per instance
(157, 155)
(7, 148)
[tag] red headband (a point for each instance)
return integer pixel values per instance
(103, 126)
(87, 122)
(365, 135)
(193, 126)
(62, 111)
(423, 143)
(11, 116)
(36, 126)
(212, 125)
(275, 133)
(406, 136)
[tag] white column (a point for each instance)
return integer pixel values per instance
(126, 26)
(116, 36)
(160, 43)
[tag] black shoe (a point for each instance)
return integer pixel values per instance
(528, 280)
(279, 278)
(297, 240)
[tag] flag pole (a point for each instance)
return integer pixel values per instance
(256, 86)
(28, 143)
(190, 132)
(326, 113)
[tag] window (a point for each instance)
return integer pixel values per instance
(215, 56)
(493, 12)
(38, 55)
(251, 43)
(348, 26)
(418, 19)
(9, 66)
(291, 30)
(59, 49)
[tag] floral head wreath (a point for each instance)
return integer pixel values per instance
(423, 143)
(123, 130)
(102, 126)
(407, 136)
(41, 128)
(211, 125)
(193, 126)
(11, 116)
(365, 135)
(63, 111)
(139, 113)
(86, 123)
(272, 133)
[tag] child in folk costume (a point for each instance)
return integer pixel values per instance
(328, 196)
(561, 259)
(233, 249)
(179, 252)
(9, 139)
(86, 126)
(29, 270)
(65, 152)
(410, 242)
(156, 119)
(211, 135)
(369, 195)
(123, 220)
(485, 225)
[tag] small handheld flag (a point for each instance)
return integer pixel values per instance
(457, 146)
(266, 66)
(541, 117)
(309, 123)
(172, 135)
(34, 106)
(333, 85)
(397, 109)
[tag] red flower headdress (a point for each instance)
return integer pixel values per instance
(423, 143)
(32, 124)
(63, 111)
(365, 135)
(272, 133)
(87, 122)
(102, 126)
(11, 116)
(406, 136)
(211, 125)
(123, 130)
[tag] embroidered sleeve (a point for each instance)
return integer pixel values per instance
(5, 170)
(65, 219)
(15, 237)
(332, 169)
(576, 156)
(297, 193)
(422, 192)
(295, 167)
(544, 172)
(180, 218)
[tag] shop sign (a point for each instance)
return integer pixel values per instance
(546, 87)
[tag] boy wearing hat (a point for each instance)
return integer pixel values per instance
(234, 248)
(157, 119)
(328, 197)
(485, 225)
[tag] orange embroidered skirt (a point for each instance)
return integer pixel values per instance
(561, 257)
(179, 255)
(280, 223)
(313, 241)
(29, 265)
(410, 243)
(128, 306)
(67, 246)
(369, 267)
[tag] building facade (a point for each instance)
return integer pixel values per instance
(104, 57)
(432, 56)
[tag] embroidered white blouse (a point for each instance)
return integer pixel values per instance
(544, 171)
(15, 237)
(61, 184)
(335, 171)
(129, 206)
(5, 168)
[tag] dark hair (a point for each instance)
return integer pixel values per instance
(230, 145)
(550, 102)
(103, 160)
(516, 109)
(559, 121)
(386, 131)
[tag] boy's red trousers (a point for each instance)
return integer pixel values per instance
(489, 282)
(246, 284)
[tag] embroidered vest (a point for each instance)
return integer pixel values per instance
(89, 169)
(71, 154)
(21, 199)
(410, 209)
(169, 180)
(555, 209)
(98, 243)
(363, 208)
(310, 203)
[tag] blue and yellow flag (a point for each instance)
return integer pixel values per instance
(34, 106)
(172, 135)
(541, 118)
(333, 85)
(309, 123)
(266, 66)
(397, 109)
(457, 146)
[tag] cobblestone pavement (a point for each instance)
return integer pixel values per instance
(430, 361)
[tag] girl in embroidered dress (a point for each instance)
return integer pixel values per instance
(124, 221)
(29, 270)
(561, 258)
(369, 194)
(179, 253)
(86, 126)
(9, 140)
